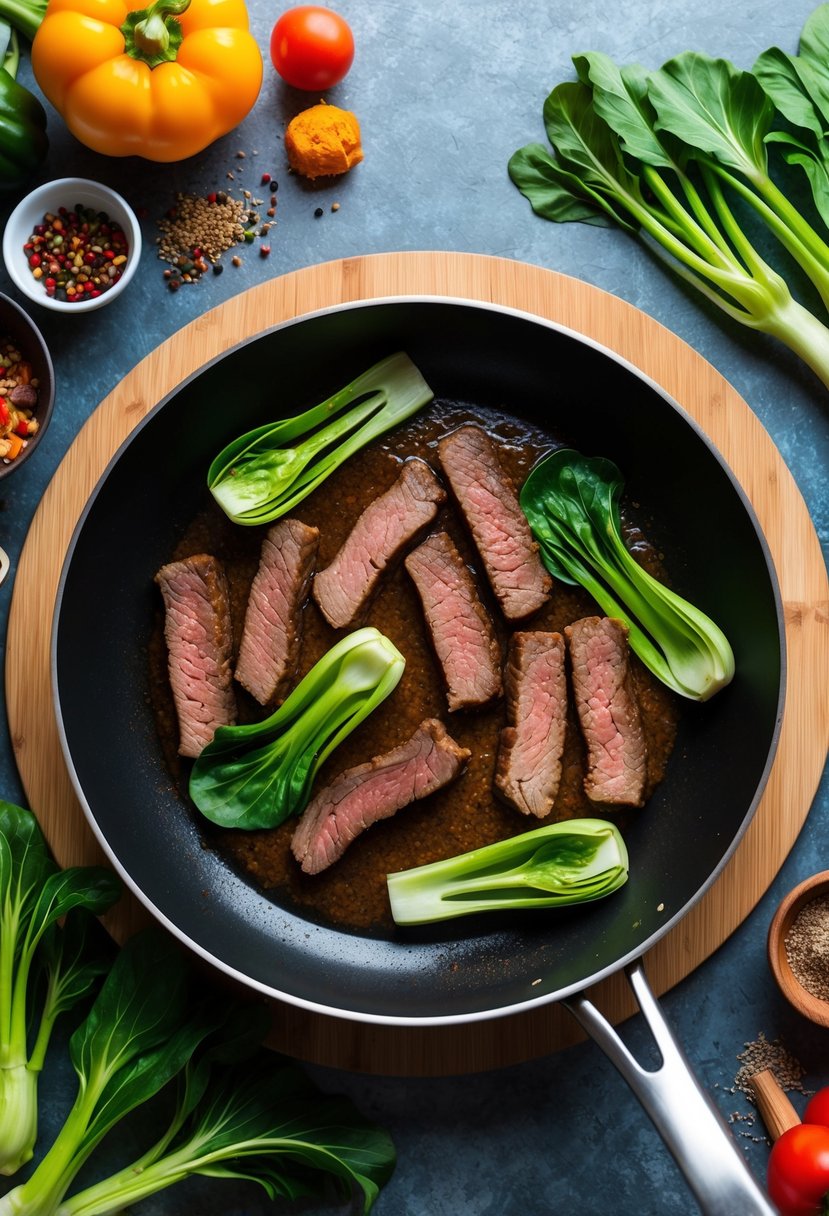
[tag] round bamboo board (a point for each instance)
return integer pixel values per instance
(707, 397)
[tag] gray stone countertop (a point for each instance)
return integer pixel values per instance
(445, 93)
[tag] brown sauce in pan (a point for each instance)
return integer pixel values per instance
(352, 893)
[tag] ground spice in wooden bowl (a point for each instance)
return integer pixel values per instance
(798, 948)
(807, 946)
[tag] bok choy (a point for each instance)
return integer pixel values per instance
(255, 776)
(34, 896)
(570, 862)
(238, 1111)
(572, 505)
(260, 476)
(679, 157)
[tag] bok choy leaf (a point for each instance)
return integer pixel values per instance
(572, 505)
(34, 896)
(259, 476)
(570, 862)
(238, 1111)
(675, 157)
(255, 776)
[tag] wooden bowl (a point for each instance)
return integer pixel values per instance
(812, 1007)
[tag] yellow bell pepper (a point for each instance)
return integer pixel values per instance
(161, 82)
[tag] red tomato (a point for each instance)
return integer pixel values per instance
(311, 47)
(798, 1170)
(818, 1109)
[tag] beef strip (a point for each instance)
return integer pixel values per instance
(361, 796)
(487, 498)
(608, 711)
(271, 636)
(461, 630)
(199, 641)
(379, 536)
(528, 767)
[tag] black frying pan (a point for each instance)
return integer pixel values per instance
(716, 554)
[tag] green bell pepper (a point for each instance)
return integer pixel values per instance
(23, 140)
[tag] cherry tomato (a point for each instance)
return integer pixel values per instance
(798, 1170)
(312, 48)
(817, 1110)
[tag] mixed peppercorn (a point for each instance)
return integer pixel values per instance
(77, 253)
(18, 400)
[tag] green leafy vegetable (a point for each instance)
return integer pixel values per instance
(257, 478)
(239, 1111)
(668, 155)
(798, 85)
(572, 504)
(34, 896)
(24, 16)
(255, 776)
(563, 863)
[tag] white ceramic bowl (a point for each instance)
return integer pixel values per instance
(67, 192)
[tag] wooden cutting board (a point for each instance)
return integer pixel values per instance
(707, 397)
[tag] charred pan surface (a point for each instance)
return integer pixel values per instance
(499, 528)
(269, 648)
(386, 527)
(608, 711)
(528, 768)
(462, 633)
(363, 795)
(199, 641)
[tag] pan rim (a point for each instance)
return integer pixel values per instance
(426, 1020)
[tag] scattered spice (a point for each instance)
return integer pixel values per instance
(755, 1057)
(760, 1054)
(335, 206)
(807, 947)
(18, 400)
(323, 141)
(77, 254)
(318, 212)
(198, 230)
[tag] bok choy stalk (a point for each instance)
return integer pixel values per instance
(572, 505)
(34, 896)
(259, 477)
(667, 155)
(570, 862)
(255, 776)
(238, 1111)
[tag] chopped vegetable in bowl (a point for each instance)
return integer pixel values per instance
(18, 400)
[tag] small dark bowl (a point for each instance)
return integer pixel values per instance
(17, 325)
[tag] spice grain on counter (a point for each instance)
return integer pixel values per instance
(198, 229)
(807, 947)
(77, 254)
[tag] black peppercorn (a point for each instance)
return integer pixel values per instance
(318, 212)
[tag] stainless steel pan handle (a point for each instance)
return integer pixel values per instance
(683, 1114)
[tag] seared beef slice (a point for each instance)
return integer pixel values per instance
(199, 645)
(271, 636)
(363, 795)
(528, 769)
(383, 530)
(499, 527)
(461, 631)
(608, 711)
